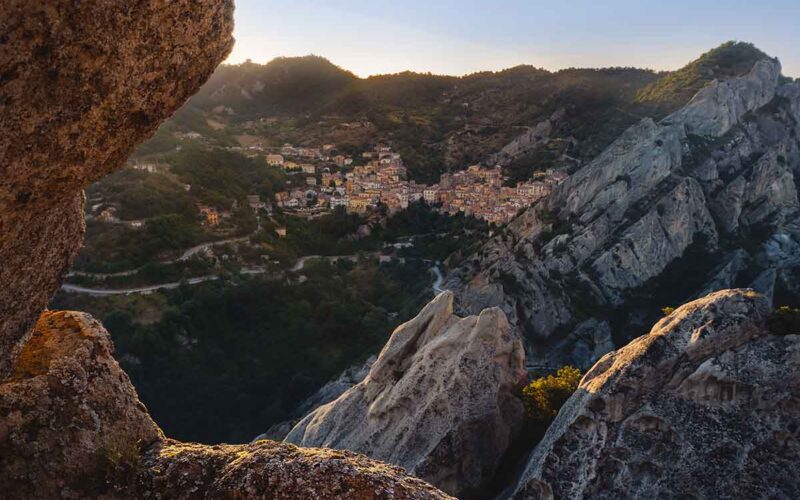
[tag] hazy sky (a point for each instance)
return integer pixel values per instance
(458, 37)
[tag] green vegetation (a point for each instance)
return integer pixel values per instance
(117, 247)
(546, 395)
(542, 398)
(730, 59)
(187, 119)
(141, 195)
(288, 85)
(225, 360)
(219, 177)
(785, 321)
(667, 310)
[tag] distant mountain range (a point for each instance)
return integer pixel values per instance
(445, 122)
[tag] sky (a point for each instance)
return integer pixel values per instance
(371, 37)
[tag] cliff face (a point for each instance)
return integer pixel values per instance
(438, 400)
(81, 84)
(715, 180)
(706, 405)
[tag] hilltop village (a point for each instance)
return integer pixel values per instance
(332, 180)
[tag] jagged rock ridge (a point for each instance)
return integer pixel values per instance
(438, 401)
(716, 179)
(706, 405)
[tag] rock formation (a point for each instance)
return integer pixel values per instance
(68, 411)
(707, 405)
(327, 393)
(439, 400)
(71, 426)
(81, 84)
(709, 192)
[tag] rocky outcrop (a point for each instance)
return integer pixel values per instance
(439, 400)
(714, 183)
(67, 412)
(82, 84)
(273, 470)
(530, 140)
(324, 395)
(706, 405)
(72, 426)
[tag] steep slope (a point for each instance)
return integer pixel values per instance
(438, 401)
(437, 122)
(286, 85)
(704, 406)
(729, 60)
(704, 199)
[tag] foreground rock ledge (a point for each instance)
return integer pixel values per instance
(71, 426)
(707, 405)
(439, 400)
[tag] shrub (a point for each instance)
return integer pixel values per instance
(785, 321)
(544, 396)
(667, 310)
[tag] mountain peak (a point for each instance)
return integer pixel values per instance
(729, 60)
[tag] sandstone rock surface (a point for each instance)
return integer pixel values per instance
(439, 400)
(67, 411)
(275, 471)
(72, 426)
(707, 405)
(81, 84)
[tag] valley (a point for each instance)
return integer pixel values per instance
(219, 204)
(286, 281)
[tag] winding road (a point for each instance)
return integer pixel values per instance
(437, 285)
(299, 265)
(100, 292)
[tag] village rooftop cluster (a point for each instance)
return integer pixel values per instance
(382, 180)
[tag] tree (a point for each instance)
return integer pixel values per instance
(785, 321)
(544, 396)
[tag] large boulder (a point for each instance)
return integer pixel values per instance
(439, 400)
(72, 426)
(707, 405)
(82, 83)
(67, 412)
